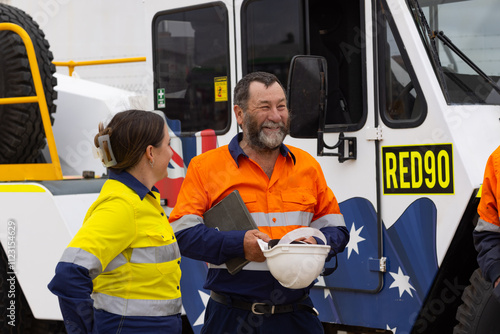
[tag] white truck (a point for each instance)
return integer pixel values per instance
(397, 99)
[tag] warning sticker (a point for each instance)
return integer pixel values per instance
(418, 169)
(220, 84)
(160, 97)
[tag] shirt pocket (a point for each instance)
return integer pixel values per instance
(250, 200)
(165, 249)
(160, 234)
(298, 199)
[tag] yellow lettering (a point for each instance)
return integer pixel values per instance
(403, 169)
(430, 169)
(444, 173)
(390, 169)
(416, 168)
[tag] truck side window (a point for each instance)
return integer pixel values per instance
(273, 31)
(402, 103)
(336, 32)
(191, 67)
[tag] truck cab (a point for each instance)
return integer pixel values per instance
(397, 100)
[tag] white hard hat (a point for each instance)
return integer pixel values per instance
(296, 266)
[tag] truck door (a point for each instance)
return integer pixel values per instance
(193, 64)
(365, 140)
(272, 33)
(386, 211)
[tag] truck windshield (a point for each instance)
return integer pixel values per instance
(463, 42)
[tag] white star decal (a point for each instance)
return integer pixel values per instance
(354, 239)
(402, 282)
(204, 298)
(321, 283)
(393, 330)
(327, 292)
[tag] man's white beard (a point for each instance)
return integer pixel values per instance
(273, 140)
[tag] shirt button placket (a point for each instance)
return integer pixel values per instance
(269, 196)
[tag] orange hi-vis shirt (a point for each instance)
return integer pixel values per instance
(295, 196)
(487, 232)
(488, 206)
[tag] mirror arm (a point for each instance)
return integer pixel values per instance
(351, 147)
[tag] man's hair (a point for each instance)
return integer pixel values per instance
(130, 133)
(241, 91)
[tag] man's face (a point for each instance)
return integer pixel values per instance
(266, 122)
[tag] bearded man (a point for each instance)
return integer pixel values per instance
(283, 188)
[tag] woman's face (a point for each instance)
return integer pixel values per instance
(162, 155)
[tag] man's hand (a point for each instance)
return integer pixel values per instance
(496, 282)
(309, 240)
(252, 248)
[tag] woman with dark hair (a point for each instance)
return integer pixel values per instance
(121, 273)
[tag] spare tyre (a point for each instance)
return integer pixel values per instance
(21, 125)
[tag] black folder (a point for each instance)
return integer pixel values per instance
(231, 214)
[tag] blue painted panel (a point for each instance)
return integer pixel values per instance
(410, 246)
(194, 297)
(353, 269)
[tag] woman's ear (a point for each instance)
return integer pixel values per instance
(149, 153)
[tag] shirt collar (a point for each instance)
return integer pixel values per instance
(235, 150)
(130, 181)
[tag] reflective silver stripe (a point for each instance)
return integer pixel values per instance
(282, 218)
(83, 258)
(158, 254)
(484, 226)
(185, 222)
(117, 262)
(334, 219)
(136, 307)
(260, 218)
(255, 266)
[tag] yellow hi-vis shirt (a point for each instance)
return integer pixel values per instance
(131, 253)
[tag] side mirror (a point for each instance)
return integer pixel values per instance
(307, 87)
